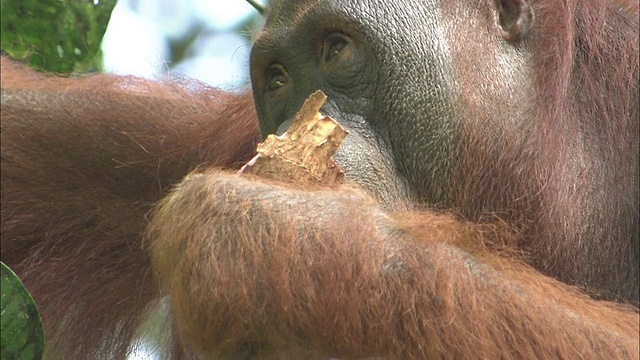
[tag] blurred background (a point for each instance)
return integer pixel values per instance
(204, 39)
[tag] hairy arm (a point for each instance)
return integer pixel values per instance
(83, 162)
(256, 268)
(135, 132)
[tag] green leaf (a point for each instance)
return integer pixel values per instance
(21, 335)
(55, 35)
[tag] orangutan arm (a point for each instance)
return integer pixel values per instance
(83, 162)
(255, 268)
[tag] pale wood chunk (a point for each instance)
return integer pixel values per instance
(303, 153)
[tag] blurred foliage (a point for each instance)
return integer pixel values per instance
(21, 332)
(55, 35)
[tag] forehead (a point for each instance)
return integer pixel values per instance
(292, 9)
(290, 13)
(286, 18)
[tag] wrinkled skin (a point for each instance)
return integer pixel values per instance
(361, 61)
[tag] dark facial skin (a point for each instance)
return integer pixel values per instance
(387, 71)
(356, 65)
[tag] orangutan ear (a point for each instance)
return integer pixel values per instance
(515, 18)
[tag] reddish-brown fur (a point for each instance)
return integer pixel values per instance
(574, 159)
(347, 284)
(85, 160)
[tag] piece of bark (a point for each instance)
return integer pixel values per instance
(303, 153)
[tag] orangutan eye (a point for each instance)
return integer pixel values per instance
(333, 47)
(276, 77)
